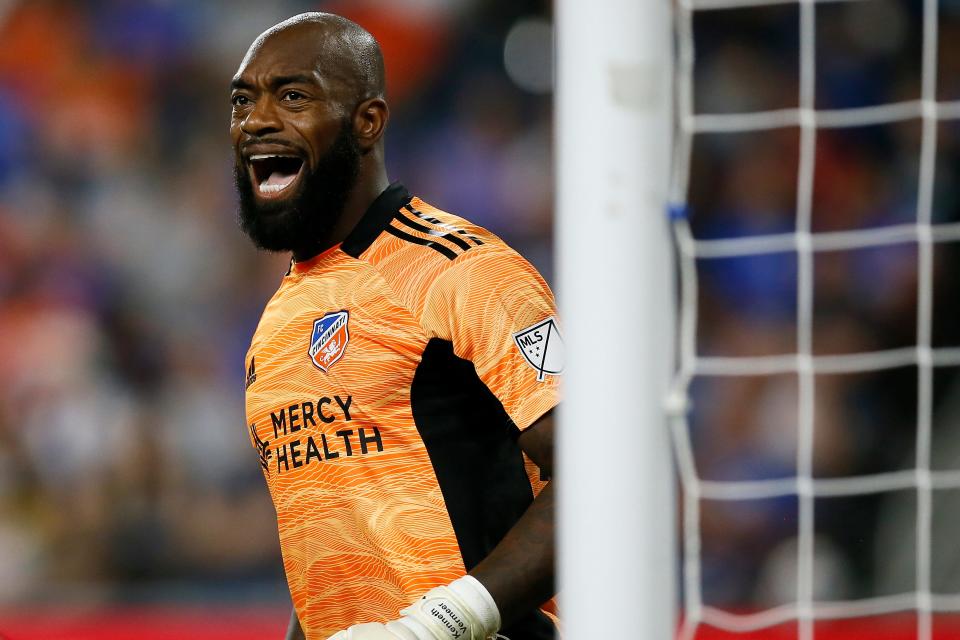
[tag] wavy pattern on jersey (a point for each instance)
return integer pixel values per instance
(373, 550)
(365, 535)
(361, 536)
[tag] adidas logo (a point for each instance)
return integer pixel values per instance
(252, 372)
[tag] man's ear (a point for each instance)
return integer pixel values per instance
(370, 121)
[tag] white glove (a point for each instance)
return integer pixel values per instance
(463, 610)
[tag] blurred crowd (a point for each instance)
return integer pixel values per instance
(128, 294)
(743, 184)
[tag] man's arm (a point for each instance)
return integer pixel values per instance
(294, 632)
(519, 572)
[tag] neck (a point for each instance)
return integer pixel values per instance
(371, 182)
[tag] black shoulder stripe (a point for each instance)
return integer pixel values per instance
(440, 223)
(415, 240)
(449, 237)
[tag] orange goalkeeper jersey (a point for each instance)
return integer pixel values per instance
(387, 383)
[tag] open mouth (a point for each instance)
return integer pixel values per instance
(274, 174)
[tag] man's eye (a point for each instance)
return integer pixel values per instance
(239, 101)
(292, 95)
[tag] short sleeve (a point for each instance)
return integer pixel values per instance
(498, 313)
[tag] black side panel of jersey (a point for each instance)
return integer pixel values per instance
(473, 448)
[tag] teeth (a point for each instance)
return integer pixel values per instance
(266, 156)
(272, 188)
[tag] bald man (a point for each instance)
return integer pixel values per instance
(401, 381)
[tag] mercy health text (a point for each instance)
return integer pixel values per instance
(314, 445)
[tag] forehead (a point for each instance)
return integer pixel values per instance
(288, 52)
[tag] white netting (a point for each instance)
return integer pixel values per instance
(806, 243)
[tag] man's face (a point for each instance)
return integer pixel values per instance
(296, 156)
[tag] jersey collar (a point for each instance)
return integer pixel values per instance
(376, 218)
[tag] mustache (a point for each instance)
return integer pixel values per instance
(246, 144)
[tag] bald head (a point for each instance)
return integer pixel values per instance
(342, 52)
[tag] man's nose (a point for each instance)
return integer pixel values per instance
(262, 118)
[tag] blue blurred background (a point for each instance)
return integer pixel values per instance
(128, 294)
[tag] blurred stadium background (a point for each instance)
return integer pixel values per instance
(130, 499)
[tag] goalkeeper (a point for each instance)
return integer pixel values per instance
(401, 380)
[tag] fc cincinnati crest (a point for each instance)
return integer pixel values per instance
(329, 339)
(542, 347)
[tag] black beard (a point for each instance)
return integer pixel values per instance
(302, 222)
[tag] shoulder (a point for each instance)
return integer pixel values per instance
(423, 250)
(417, 228)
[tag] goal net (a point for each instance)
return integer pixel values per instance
(816, 227)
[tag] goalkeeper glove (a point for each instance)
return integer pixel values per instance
(463, 610)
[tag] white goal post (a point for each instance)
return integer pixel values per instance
(617, 560)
